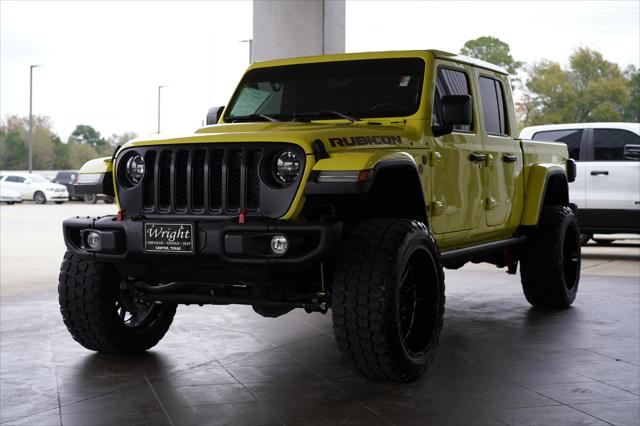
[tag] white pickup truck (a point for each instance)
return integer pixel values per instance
(607, 185)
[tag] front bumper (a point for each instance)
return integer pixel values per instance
(56, 196)
(220, 242)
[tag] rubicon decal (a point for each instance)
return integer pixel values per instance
(365, 140)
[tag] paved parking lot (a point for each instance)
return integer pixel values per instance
(501, 362)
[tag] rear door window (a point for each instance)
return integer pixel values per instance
(65, 176)
(449, 82)
(17, 179)
(608, 144)
(571, 137)
(493, 106)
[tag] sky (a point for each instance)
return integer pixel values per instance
(102, 62)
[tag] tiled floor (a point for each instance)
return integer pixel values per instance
(500, 362)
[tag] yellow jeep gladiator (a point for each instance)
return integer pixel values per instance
(342, 182)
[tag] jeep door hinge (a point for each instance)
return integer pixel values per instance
(434, 158)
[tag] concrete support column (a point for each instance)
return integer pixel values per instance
(289, 28)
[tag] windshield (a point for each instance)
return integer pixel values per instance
(360, 89)
(38, 179)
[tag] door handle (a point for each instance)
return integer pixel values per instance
(600, 172)
(509, 158)
(477, 157)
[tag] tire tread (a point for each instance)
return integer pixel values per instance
(363, 271)
(541, 269)
(85, 293)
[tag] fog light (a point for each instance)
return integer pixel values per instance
(279, 245)
(93, 240)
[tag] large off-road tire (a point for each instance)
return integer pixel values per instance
(39, 197)
(388, 298)
(100, 316)
(550, 260)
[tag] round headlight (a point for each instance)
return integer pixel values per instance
(286, 167)
(134, 168)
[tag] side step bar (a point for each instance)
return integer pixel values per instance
(456, 258)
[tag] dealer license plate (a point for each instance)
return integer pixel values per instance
(168, 238)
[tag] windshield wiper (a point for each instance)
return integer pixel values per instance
(324, 114)
(251, 117)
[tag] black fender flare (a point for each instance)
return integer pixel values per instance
(314, 188)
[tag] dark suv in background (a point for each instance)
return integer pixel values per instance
(68, 178)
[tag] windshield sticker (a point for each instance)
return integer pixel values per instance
(365, 140)
(404, 80)
(249, 101)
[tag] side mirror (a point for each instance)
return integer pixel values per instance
(213, 116)
(27, 182)
(456, 110)
(631, 152)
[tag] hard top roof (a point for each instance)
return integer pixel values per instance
(440, 54)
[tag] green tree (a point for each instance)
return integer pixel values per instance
(632, 112)
(115, 139)
(13, 150)
(61, 154)
(49, 152)
(590, 89)
(493, 50)
(80, 153)
(43, 142)
(84, 133)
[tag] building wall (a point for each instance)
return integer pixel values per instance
(287, 28)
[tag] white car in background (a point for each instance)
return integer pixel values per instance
(607, 185)
(34, 187)
(9, 196)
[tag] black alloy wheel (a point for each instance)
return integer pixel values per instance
(133, 313)
(571, 254)
(417, 306)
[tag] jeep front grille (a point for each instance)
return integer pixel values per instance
(208, 179)
(194, 180)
